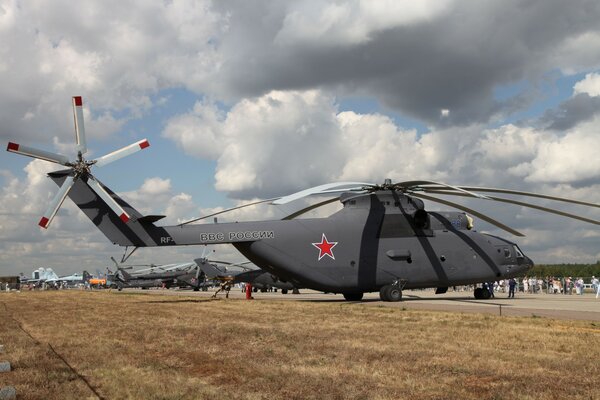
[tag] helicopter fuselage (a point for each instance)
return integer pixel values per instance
(376, 239)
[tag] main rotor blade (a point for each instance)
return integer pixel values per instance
(125, 151)
(104, 195)
(56, 202)
(529, 194)
(523, 204)
(318, 190)
(309, 208)
(79, 126)
(470, 211)
(227, 210)
(36, 153)
(412, 185)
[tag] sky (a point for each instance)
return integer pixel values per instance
(249, 100)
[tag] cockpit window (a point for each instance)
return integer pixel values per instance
(506, 252)
(518, 252)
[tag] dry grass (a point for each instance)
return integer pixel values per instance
(169, 347)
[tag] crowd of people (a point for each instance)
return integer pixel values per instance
(550, 285)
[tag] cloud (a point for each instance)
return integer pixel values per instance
(115, 55)
(413, 57)
(285, 141)
(349, 23)
(451, 56)
(569, 159)
(579, 108)
(590, 85)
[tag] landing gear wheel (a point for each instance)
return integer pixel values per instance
(353, 296)
(390, 293)
(283, 291)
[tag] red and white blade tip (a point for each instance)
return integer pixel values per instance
(77, 101)
(44, 222)
(12, 147)
(144, 143)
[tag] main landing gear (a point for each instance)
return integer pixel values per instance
(353, 296)
(393, 291)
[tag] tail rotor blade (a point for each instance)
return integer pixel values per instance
(104, 195)
(79, 126)
(57, 201)
(125, 151)
(36, 153)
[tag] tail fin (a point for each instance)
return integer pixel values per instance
(126, 276)
(139, 231)
(210, 270)
(86, 276)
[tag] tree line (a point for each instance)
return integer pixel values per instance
(582, 270)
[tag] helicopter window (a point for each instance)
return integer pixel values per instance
(518, 252)
(506, 252)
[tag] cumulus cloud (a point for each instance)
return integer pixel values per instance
(348, 23)
(285, 141)
(448, 57)
(572, 158)
(590, 85)
(117, 55)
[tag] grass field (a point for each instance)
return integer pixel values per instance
(78, 345)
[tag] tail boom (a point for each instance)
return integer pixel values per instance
(140, 230)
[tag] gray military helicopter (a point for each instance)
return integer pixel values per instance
(182, 275)
(383, 239)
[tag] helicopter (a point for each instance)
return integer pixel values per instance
(182, 274)
(382, 239)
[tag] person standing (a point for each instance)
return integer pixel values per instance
(511, 288)
(490, 288)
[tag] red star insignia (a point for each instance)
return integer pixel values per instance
(325, 247)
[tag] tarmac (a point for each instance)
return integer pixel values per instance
(556, 306)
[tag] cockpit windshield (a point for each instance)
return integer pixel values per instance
(518, 252)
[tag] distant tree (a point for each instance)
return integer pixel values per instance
(582, 270)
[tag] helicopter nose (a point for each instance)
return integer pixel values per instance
(525, 264)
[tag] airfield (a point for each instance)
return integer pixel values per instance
(179, 344)
(557, 306)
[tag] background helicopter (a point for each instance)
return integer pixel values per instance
(184, 274)
(383, 239)
(228, 274)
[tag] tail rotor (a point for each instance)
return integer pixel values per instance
(79, 168)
